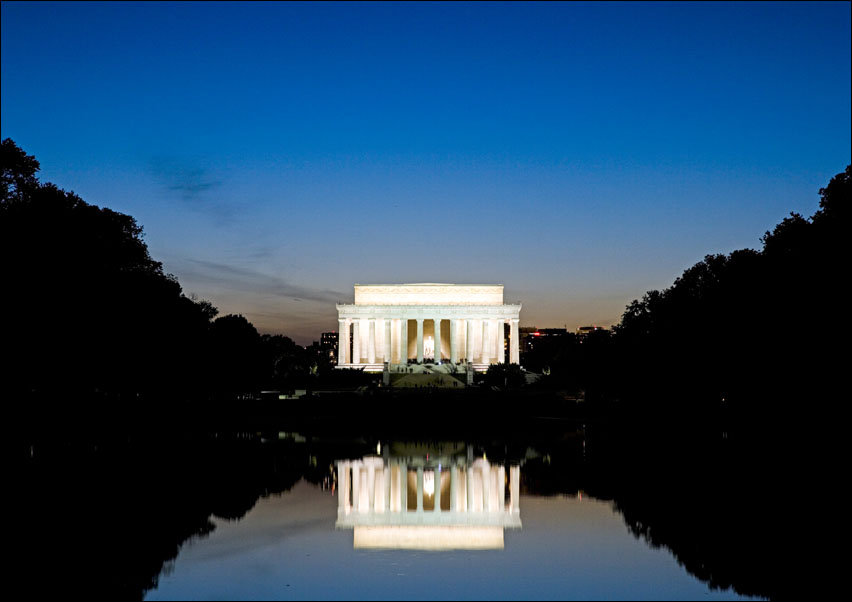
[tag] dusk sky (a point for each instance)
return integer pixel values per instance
(579, 154)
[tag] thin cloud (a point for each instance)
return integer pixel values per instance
(199, 271)
(190, 181)
(193, 185)
(273, 304)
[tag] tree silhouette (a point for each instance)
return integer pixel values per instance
(505, 376)
(18, 172)
(236, 355)
(747, 327)
(86, 307)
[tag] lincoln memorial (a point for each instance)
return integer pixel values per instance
(437, 323)
(427, 501)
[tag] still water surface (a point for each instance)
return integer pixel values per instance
(287, 547)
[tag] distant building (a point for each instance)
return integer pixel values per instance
(585, 331)
(525, 332)
(329, 343)
(530, 336)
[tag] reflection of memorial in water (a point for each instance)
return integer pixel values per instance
(427, 501)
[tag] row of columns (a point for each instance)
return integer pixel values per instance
(366, 486)
(487, 350)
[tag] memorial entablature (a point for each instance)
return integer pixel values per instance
(426, 322)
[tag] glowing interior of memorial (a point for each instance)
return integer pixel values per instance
(427, 502)
(394, 324)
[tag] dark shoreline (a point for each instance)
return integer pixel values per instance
(711, 487)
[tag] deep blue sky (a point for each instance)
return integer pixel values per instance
(580, 154)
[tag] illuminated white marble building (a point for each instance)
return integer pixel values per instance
(427, 502)
(459, 323)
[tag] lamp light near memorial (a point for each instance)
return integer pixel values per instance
(429, 483)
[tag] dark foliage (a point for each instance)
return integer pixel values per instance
(723, 506)
(571, 362)
(85, 306)
(751, 329)
(748, 330)
(714, 401)
(716, 398)
(127, 506)
(87, 310)
(505, 376)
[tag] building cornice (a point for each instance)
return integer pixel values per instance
(429, 312)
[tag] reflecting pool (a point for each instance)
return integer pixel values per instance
(287, 547)
(297, 516)
(438, 521)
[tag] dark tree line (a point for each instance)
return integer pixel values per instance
(717, 397)
(572, 362)
(134, 504)
(86, 310)
(746, 330)
(753, 326)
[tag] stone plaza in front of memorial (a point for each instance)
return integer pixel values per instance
(399, 327)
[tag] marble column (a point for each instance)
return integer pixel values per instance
(501, 488)
(468, 353)
(454, 347)
(499, 346)
(366, 491)
(437, 489)
(371, 345)
(514, 355)
(469, 486)
(356, 341)
(420, 340)
(454, 487)
(387, 354)
(342, 341)
(494, 504)
(403, 487)
(514, 488)
(342, 486)
(356, 486)
(486, 486)
(486, 356)
(403, 341)
(419, 489)
(387, 475)
(371, 486)
(437, 340)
